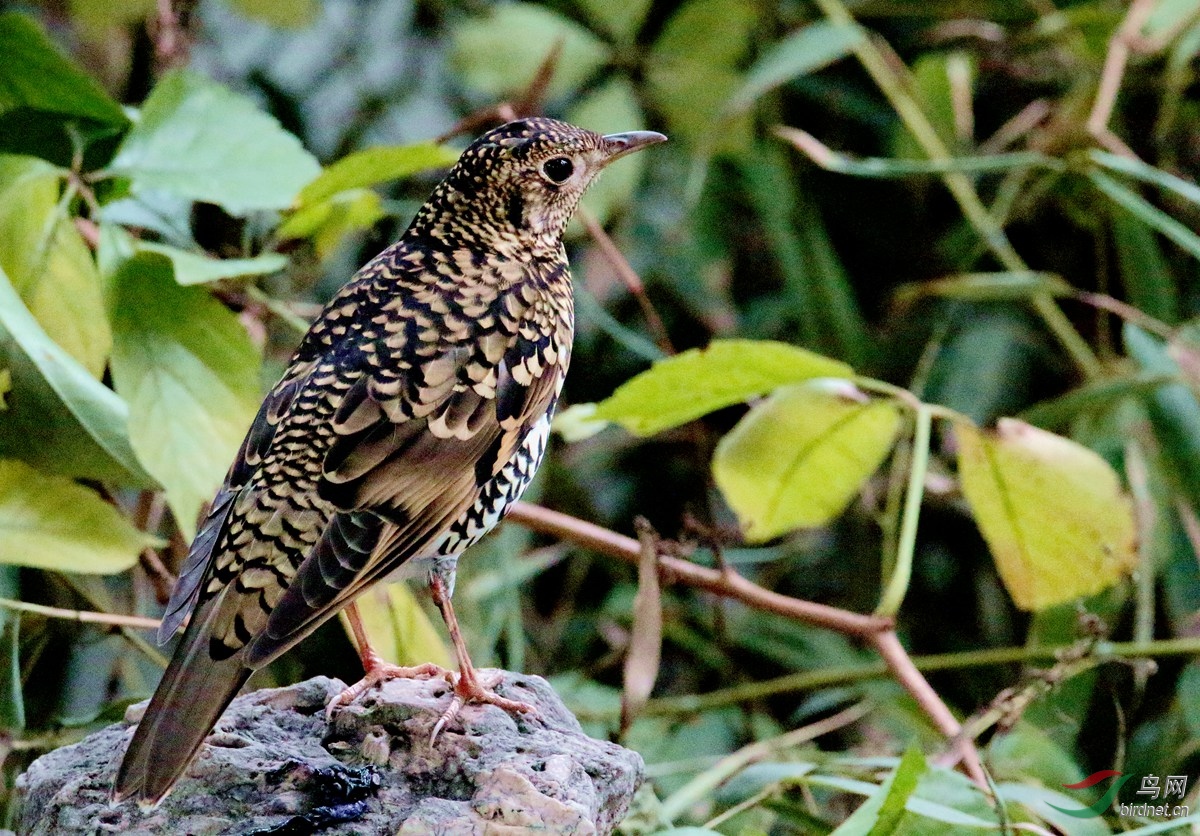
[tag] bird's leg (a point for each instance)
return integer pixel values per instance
(375, 669)
(467, 685)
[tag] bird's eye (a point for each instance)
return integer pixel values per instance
(557, 169)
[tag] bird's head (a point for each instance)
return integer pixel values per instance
(519, 184)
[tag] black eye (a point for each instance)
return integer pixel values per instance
(558, 169)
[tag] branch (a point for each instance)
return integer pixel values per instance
(877, 631)
(728, 585)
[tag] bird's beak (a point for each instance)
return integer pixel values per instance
(618, 145)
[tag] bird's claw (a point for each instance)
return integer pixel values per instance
(468, 689)
(377, 675)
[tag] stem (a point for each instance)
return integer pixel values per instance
(86, 616)
(824, 677)
(893, 595)
(895, 91)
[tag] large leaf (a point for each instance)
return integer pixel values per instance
(1051, 510)
(799, 457)
(398, 628)
(620, 18)
(58, 417)
(684, 387)
(190, 375)
(804, 51)
(373, 166)
(48, 263)
(499, 53)
(692, 68)
(202, 141)
(43, 96)
(194, 268)
(50, 522)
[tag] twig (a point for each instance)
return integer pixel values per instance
(1115, 60)
(528, 104)
(629, 277)
(877, 631)
(887, 645)
(733, 585)
(86, 616)
(148, 517)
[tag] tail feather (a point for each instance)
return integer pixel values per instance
(192, 695)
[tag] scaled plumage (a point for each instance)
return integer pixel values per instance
(414, 412)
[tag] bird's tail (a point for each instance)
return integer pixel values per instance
(191, 696)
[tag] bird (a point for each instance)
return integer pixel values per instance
(413, 414)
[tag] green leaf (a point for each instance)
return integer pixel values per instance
(1147, 174)
(294, 14)
(881, 813)
(204, 142)
(48, 262)
(50, 522)
(799, 457)
(190, 375)
(692, 69)
(620, 18)
(327, 223)
(59, 418)
(398, 628)
(1146, 212)
(577, 422)
(1150, 285)
(1051, 510)
(499, 53)
(612, 108)
(194, 268)
(1094, 397)
(373, 166)
(12, 699)
(1018, 285)
(806, 50)
(99, 17)
(43, 95)
(1174, 411)
(698, 381)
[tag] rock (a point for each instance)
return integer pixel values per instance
(273, 765)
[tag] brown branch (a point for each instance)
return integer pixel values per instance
(628, 276)
(880, 633)
(732, 585)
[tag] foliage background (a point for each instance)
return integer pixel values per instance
(1067, 301)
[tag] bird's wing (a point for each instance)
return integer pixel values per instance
(408, 462)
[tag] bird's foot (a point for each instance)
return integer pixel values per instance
(377, 674)
(468, 689)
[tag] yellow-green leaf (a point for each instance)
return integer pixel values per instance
(58, 417)
(684, 387)
(48, 263)
(499, 53)
(398, 628)
(50, 522)
(294, 14)
(373, 166)
(799, 457)
(1052, 512)
(692, 69)
(189, 372)
(196, 268)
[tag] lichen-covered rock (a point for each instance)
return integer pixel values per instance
(273, 765)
